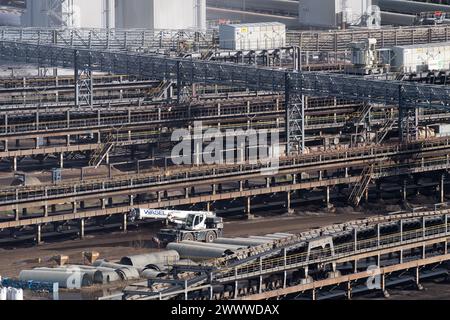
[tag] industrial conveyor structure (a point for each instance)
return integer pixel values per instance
(330, 262)
(295, 85)
(295, 90)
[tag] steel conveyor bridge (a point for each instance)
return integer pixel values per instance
(295, 85)
(386, 247)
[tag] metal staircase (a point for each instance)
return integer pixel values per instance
(101, 152)
(362, 186)
(360, 120)
(156, 94)
(387, 127)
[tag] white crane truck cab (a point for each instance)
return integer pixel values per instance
(189, 225)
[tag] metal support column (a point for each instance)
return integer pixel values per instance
(38, 234)
(288, 203)
(125, 222)
(249, 208)
(81, 228)
(84, 83)
(295, 116)
(179, 84)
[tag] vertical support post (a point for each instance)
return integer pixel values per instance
(179, 85)
(61, 160)
(131, 200)
(349, 290)
(327, 197)
(260, 261)
(125, 223)
(249, 208)
(288, 203)
(235, 283)
(355, 239)
(378, 235)
(424, 227)
(38, 234)
(401, 114)
(442, 189)
(294, 115)
(76, 77)
(401, 231)
(404, 191)
(81, 228)
(446, 223)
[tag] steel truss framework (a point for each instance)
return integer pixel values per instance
(114, 39)
(84, 83)
(159, 67)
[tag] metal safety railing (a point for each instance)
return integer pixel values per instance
(325, 255)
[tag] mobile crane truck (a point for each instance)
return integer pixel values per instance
(202, 226)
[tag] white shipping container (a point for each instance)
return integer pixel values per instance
(442, 130)
(252, 36)
(424, 57)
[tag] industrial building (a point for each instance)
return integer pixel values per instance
(69, 13)
(165, 127)
(161, 14)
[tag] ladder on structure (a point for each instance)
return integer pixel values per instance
(101, 152)
(362, 186)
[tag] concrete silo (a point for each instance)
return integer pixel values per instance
(69, 13)
(331, 13)
(161, 14)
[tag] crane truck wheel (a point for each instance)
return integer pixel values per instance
(188, 237)
(210, 237)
